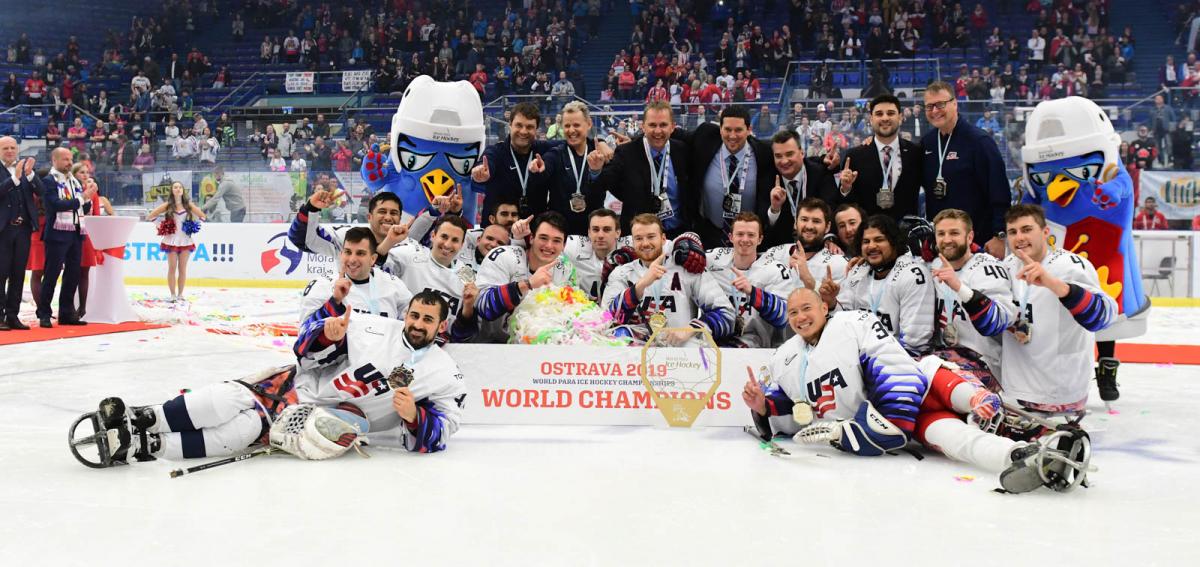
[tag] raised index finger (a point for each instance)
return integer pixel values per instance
(1024, 257)
(847, 168)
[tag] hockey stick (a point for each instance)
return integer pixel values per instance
(259, 451)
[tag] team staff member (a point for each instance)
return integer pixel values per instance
(512, 169)
(733, 171)
(963, 169)
(649, 174)
(798, 178)
(570, 188)
(893, 190)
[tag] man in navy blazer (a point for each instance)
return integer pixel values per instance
(18, 220)
(65, 201)
(728, 166)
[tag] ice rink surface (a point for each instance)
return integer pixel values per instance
(517, 495)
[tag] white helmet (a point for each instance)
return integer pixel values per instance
(440, 112)
(1067, 127)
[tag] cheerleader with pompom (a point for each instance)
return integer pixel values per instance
(177, 227)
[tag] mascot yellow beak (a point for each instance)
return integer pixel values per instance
(436, 183)
(1062, 190)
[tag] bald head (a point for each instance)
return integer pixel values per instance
(61, 159)
(8, 150)
(804, 293)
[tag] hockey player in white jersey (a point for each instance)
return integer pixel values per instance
(585, 254)
(510, 272)
(756, 287)
(1048, 350)
(809, 257)
(309, 235)
(846, 219)
(368, 288)
(346, 367)
(890, 283)
(479, 240)
(974, 294)
(438, 268)
(868, 396)
(659, 289)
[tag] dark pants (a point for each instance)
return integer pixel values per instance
(63, 255)
(237, 215)
(14, 254)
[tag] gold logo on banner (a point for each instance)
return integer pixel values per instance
(681, 369)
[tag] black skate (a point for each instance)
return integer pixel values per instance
(1059, 461)
(118, 434)
(1106, 379)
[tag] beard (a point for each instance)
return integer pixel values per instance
(885, 132)
(812, 245)
(953, 252)
(417, 339)
(649, 256)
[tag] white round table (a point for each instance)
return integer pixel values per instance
(108, 301)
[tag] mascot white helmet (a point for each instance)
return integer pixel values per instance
(1068, 127)
(439, 112)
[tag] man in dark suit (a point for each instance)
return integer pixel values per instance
(649, 174)
(18, 220)
(65, 201)
(865, 182)
(798, 179)
(513, 169)
(732, 172)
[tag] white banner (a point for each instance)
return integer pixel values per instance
(583, 385)
(299, 82)
(354, 80)
(228, 251)
(1177, 192)
(157, 184)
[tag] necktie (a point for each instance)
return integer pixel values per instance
(734, 186)
(887, 166)
(795, 186)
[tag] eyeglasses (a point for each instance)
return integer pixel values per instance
(938, 105)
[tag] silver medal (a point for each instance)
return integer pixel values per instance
(578, 203)
(939, 188)
(731, 205)
(665, 211)
(466, 274)
(885, 198)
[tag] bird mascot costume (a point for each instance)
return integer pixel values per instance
(1073, 170)
(437, 136)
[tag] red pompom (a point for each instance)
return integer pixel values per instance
(166, 227)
